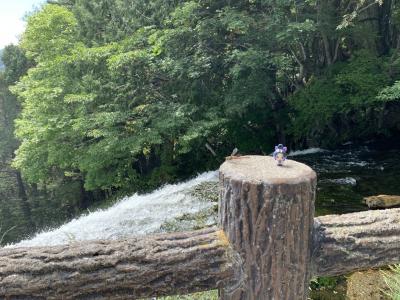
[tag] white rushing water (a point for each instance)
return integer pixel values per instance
(134, 215)
(306, 151)
(342, 181)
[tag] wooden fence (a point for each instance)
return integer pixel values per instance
(268, 246)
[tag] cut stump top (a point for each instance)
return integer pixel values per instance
(256, 168)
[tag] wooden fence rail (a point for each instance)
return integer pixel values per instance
(269, 246)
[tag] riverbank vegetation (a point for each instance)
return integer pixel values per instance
(392, 280)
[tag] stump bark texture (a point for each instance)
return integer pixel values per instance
(134, 268)
(356, 241)
(267, 213)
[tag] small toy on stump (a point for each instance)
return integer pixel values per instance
(280, 154)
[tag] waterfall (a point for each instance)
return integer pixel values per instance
(131, 216)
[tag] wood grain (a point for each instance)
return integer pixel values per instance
(267, 214)
(133, 268)
(356, 241)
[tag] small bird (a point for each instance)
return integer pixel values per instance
(235, 151)
(234, 154)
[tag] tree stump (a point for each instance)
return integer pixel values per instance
(267, 213)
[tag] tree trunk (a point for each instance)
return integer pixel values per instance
(85, 196)
(267, 214)
(25, 207)
(356, 241)
(327, 48)
(125, 269)
(384, 12)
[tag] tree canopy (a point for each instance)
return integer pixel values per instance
(128, 95)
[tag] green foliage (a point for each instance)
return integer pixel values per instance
(210, 295)
(121, 114)
(359, 7)
(25, 208)
(324, 288)
(49, 33)
(105, 21)
(324, 282)
(9, 110)
(15, 62)
(343, 103)
(390, 93)
(1, 60)
(392, 279)
(126, 95)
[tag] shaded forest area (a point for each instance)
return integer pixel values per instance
(109, 97)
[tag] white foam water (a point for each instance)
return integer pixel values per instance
(131, 216)
(306, 151)
(344, 181)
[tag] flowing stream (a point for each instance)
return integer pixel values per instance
(134, 215)
(345, 176)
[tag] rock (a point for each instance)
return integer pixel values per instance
(382, 201)
(206, 191)
(191, 221)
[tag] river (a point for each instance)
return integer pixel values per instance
(345, 176)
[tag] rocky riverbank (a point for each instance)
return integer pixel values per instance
(207, 191)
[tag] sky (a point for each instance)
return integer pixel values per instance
(12, 13)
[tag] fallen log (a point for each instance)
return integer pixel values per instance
(133, 268)
(355, 241)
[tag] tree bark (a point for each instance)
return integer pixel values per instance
(25, 206)
(356, 241)
(267, 214)
(327, 48)
(85, 198)
(125, 269)
(384, 12)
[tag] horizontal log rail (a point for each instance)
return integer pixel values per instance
(155, 265)
(355, 241)
(269, 247)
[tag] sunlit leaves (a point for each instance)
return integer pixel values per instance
(390, 93)
(124, 91)
(358, 7)
(50, 32)
(345, 95)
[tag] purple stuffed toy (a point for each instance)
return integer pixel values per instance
(280, 154)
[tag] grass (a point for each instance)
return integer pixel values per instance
(209, 295)
(392, 279)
